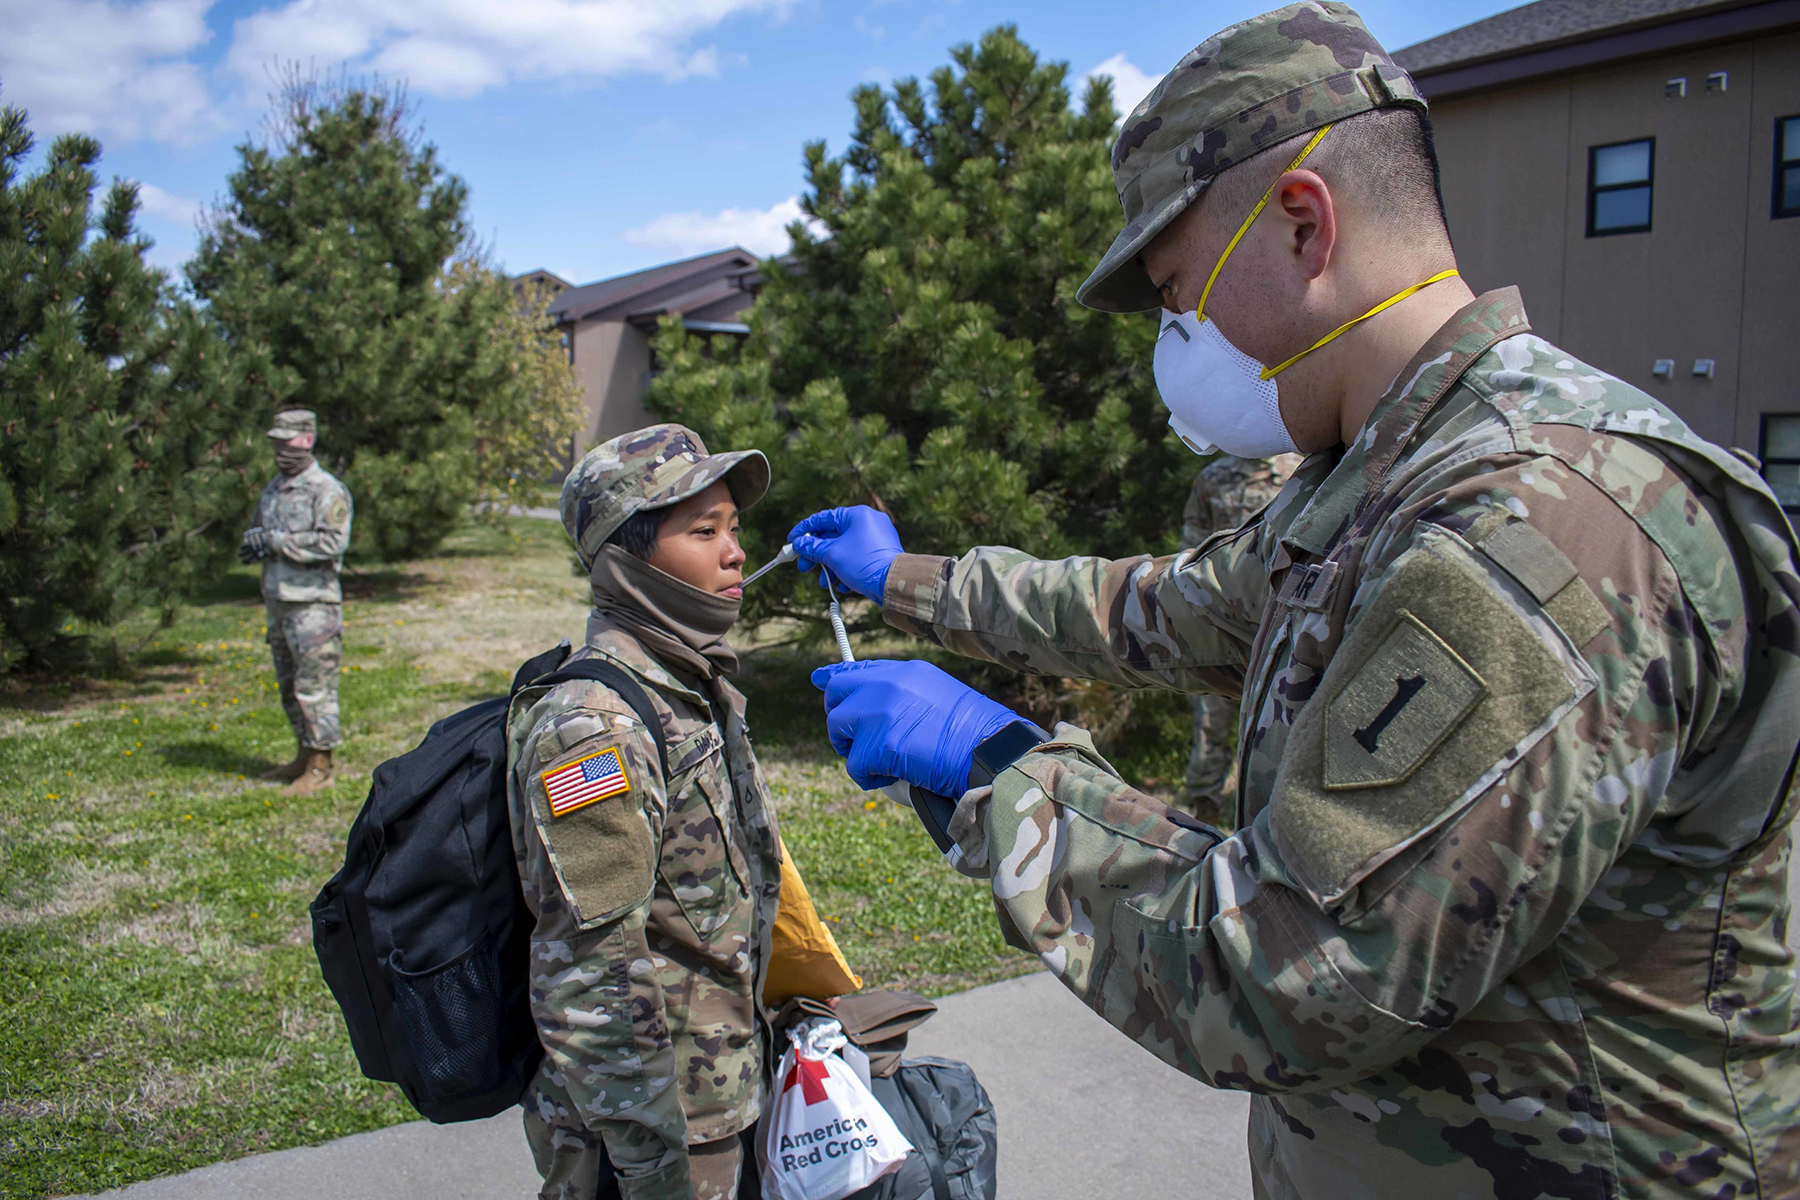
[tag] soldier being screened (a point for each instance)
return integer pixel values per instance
(300, 533)
(1519, 661)
(1227, 492)
(654, 887)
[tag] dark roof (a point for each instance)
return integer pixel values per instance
(1558, 37)
(540, 275)
(647, 290)
(716, 300)
(1542, 25)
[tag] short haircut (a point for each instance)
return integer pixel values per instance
(637, 536)
(1385, 158)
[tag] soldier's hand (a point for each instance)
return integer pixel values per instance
(255, 545)
(857, 545)
(907, 720)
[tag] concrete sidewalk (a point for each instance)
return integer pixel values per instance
(1082, 1112)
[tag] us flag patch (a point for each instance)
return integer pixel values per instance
(585, 781)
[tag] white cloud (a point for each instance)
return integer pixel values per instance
(1130, 85)
(128, 68)
(108, 68)
(464, 47)
(761, 231)
(154, 202)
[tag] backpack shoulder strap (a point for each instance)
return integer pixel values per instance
(598, 670)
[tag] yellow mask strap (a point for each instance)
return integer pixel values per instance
(1200, 309)
(1397, 297)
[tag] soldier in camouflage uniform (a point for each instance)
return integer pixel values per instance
(1228, 491)
(1519, 661)
(654, 894)
(300, 533)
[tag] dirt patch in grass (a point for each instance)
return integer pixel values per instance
(82, 889)
(181, 928)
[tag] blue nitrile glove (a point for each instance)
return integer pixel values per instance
(906, 720)
(857, 545)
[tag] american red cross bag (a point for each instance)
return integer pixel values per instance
(824, 1135)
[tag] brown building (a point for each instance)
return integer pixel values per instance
(1634, 166)
(608, 326)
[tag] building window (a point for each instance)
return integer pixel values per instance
(1619, 182)
(1787, 167)
(1781, 457)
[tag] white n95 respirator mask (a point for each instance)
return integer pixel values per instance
(1216, 394)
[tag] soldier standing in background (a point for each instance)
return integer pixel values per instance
(301, 531)
(1228, 491)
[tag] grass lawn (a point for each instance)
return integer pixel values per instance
(160, 1006)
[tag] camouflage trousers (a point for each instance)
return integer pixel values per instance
(1208, 789)
(307, 642)
(574, 1165)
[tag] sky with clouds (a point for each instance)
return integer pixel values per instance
(597, 136)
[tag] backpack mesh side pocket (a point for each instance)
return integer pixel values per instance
(452, 1018)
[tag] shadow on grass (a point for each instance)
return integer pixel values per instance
(85, 669)
(384, 583)
(233, 587)
(210, 756)
(784, 709)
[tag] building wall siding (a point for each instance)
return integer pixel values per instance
(612, 359)
(1505, 177)
(1770, 342)
(1713, 278)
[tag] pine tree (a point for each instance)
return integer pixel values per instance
(924, 353)
(123, 429)
(529, 414)
(335, 256)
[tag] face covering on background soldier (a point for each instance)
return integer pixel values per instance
(1218, 397)
(294, 455)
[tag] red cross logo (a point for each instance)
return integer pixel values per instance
(810, 1076)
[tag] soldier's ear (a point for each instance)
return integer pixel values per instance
(1305, 203)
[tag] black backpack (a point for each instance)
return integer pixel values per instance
(424, 936)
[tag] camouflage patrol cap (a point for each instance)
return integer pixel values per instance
(645, 469)
(1240, 91)
(292, 422)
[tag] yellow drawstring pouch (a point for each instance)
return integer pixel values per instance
(804, 959)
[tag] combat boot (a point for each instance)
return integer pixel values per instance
(314, 774)
(287, 770)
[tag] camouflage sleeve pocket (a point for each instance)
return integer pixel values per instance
(1449, 676)
(590, 813)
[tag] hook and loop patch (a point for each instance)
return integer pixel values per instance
(1408, 697)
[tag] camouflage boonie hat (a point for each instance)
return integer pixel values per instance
(649, 468)
(1240, 91)
(292, 422)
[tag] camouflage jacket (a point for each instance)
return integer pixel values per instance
(654, 905)
(308, 521)
(1229, 491)
(1520, 680)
